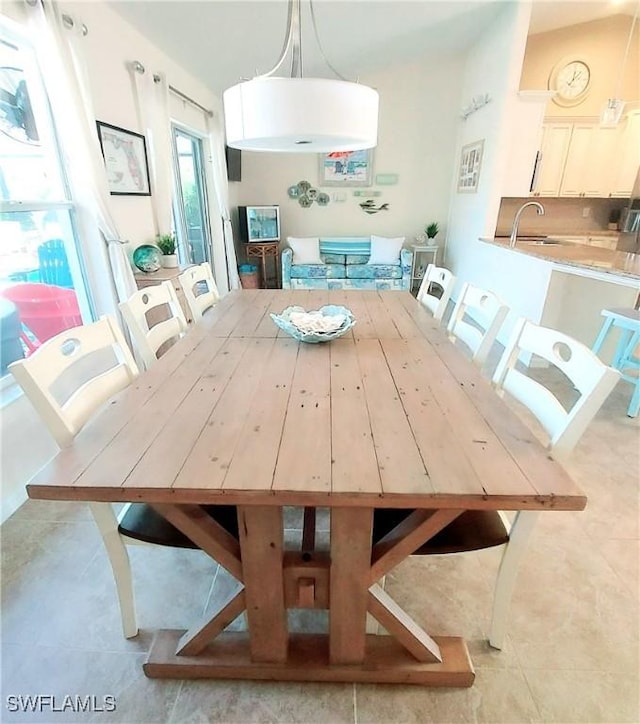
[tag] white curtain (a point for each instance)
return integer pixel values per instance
(59, 52)
(219, 169)
(151, 92)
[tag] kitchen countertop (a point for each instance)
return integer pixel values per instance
(577, 255)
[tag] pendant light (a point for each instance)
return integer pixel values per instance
(296, 114)
(612, 111)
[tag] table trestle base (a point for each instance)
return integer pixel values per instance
(386, 661)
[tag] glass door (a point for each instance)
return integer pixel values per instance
(191, 214)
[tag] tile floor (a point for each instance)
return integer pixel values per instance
(572, 653)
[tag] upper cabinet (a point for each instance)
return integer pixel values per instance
(588, 160)
(552, 158)
(626, 159)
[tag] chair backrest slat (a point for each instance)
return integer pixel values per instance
(148, 340)
(444, 279)
(487, 311)
(190, 280)
(70, 360)
(592, 379)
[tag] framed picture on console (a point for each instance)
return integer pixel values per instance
(346, 168)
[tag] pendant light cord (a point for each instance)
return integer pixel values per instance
(293, 43)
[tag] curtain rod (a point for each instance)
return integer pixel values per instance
(139, 68)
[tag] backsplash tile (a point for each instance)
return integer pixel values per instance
(562, 216)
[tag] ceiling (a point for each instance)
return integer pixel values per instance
(222, 41)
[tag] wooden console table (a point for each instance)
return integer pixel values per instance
(264, 249)
(162, 275)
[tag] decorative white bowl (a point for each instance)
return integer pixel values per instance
(284, 322)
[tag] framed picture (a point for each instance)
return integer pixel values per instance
(346, 168)
(470, 163)
(125, 158)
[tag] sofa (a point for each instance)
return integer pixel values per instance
(345, 266)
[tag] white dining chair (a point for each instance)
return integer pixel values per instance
(478, 529)
(199, 299)
(154, 317)
(436, 278)
(68, 379)
(476, 320)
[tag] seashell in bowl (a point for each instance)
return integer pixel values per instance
(321, 325)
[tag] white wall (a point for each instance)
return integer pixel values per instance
(110, 44)
(493, 66)
(416, 140)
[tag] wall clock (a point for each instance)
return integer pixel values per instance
(571, 79)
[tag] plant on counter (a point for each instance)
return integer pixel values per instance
(614, 219)
(432, 230)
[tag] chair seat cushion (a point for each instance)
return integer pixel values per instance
(142, 522)
(472, 530)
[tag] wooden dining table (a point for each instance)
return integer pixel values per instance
(391, 415)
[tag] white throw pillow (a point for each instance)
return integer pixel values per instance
(305, 250)
(385, 250)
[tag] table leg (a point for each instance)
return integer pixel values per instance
(261, 546)
(349, 584)
(345, 584)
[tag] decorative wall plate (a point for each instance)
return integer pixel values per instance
(322, 199)
(293, 192)
(303, 187)
(304, 201)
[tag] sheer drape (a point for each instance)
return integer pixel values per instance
(61, 64)
(151, 93)
(221, 186)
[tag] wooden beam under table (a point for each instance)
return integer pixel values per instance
(386, 662)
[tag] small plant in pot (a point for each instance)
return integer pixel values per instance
(614, 219)
(167, 245)
(432, 230)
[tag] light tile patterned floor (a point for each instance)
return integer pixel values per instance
(571, 655)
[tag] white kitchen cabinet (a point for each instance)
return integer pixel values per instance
(625, 161)
(588, 166)
(553, 154)
(588, 160)
(527, 116)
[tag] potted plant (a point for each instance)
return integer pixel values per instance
(432, 230)
(167, 245)
(614, 219)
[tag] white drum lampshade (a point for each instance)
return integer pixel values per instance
(298, 115)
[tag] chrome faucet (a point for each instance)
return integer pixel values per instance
(514, 231)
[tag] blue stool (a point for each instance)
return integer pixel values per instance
(624, 358)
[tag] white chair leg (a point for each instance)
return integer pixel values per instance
(119, 560)
(505, 581)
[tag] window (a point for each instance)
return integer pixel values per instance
(42, 290)
(191, 212)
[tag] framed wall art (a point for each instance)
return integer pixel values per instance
(346, 168)
(125, 159)
(470, 164)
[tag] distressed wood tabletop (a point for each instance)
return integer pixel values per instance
(390, 415)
